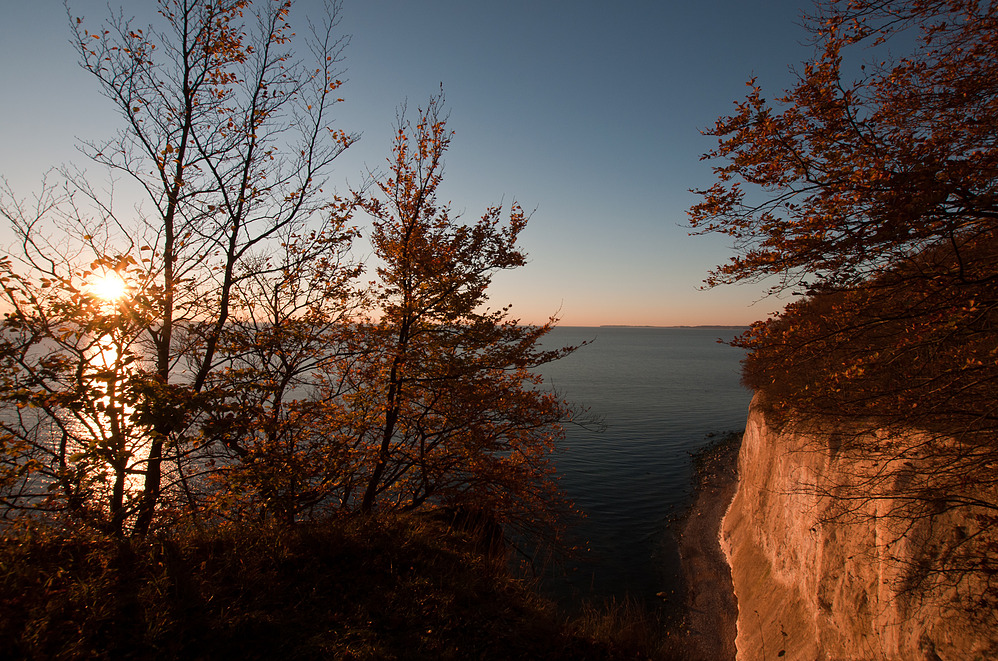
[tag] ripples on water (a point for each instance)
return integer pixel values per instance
(660, 392)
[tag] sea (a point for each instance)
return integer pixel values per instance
(662, 394)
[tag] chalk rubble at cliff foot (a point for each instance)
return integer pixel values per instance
(826, 566)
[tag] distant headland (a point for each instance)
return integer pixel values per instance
(651, 326)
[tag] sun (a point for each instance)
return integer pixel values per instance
(108, 286)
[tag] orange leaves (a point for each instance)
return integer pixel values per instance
(909, 338)
(849, 173)
(295, 387)
(875, 198)
(457, 417)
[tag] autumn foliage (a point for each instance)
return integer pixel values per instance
(869, 189)
(247, 372)
(867, 160)
(457, 416)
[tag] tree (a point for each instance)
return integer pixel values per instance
(228, 136)
(877, 197)
(870, 187)
(858, 176)
(239, 371)
(444, 400)
(69, 432)
(271, 426)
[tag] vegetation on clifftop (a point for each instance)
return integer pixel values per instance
(387, 587)
(246, 366)
(870, 189)
(221, 434)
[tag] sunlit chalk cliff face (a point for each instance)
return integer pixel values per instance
(825, 565)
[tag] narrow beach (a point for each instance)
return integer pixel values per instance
(711, 609)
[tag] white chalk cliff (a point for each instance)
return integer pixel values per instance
(822, 570)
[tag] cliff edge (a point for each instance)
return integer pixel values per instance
(825, 568)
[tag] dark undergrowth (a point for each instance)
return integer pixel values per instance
(355, 588)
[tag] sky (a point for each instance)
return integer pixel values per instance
(587, 113)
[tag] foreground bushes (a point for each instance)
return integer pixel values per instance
(360, 588)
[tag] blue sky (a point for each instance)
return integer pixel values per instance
(587, 112)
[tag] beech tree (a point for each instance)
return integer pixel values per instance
(269, 427)
(446, 407)
(228, 136)
(870, 187)
(69, 353)
(850, 176)
(237, 370)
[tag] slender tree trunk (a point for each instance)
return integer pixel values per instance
(391, 418)
(388, 431)
(154, 470)
(118, 465)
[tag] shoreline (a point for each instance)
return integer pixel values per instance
(710, 604)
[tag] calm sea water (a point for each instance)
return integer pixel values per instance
(662, 393)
